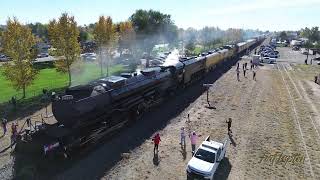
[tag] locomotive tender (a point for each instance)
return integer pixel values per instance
(110, 101)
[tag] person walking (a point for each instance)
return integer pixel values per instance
(244, 72)
(229, 122)
(182, 137)
(14, 133)
(156, 140)
(4, 125)
(238, 74)
(14, 102)
(254, 75)
(193, 138)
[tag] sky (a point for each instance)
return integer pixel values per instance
(273, 15)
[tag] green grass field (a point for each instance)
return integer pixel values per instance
(50, 79)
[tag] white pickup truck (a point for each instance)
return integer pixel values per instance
(206, 159)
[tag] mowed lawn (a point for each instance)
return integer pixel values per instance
(50, 79)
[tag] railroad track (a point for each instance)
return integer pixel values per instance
(304, 123)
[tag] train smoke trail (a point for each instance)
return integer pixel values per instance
(172, 59)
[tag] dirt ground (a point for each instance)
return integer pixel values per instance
(6, 155)
(275, 116)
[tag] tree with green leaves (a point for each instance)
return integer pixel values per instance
(63, 35)
(39, 30)
(189, 48)
(106, 38)
(153, 27)
(283, 36)
(308, 45)
(18, 44)
(233, 35)
(312, 34)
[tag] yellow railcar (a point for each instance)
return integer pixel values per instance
(212, 60)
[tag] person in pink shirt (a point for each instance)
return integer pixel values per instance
(193, 138)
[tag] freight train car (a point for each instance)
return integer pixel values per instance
(194, 68)
(224, 54)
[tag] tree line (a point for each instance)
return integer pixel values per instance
(136, 36)
(311, 34)
(209, 37)
(19, 41)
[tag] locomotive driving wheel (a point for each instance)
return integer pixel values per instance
(137, 112)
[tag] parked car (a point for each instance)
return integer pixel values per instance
(42, 55)
(268, 60)
(3, 58)
(89, 56)
(304, 51)
(295, 48)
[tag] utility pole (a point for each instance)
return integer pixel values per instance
(208, 87)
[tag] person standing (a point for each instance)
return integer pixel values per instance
(156, 140)
(229, 122)
(193, 138)
(254, 75)
(14, 133)
(238, 74)
(14, 102)
(182, 137)
(244, 72)
(4, 125)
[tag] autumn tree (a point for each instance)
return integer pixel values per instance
(19, 43)
(106, 38)
(127, 36)
(63, 35)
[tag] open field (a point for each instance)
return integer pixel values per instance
(50, 79)
(47, 78)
